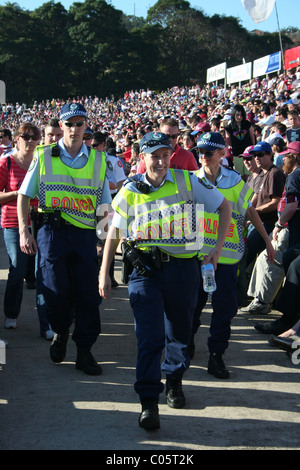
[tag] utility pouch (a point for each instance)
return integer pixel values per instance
(142, 262)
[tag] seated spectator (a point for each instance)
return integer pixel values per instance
(266, 280)
(288, 302)
(289, 340)
(278, 146)
(293, 132)
(256, 174)
(265, 203)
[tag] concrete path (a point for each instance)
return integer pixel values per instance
(53, 406)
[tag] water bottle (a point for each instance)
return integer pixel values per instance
(208, 276)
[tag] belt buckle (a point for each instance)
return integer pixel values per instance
(165, 257)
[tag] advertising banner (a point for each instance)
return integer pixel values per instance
(268, 64)
(218, 72)
(292, 58)
(239, 73)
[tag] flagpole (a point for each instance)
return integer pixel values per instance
(280, 40)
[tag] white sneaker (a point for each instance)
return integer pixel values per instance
(10, 323)
(257, 307)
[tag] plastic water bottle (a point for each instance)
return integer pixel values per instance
(208, 276)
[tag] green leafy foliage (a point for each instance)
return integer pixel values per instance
(93, 48)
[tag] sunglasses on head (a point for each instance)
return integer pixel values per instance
(28, 137)
(73, 124)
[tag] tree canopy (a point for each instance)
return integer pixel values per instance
(93, 48)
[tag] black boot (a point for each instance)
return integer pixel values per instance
(149, 417)
(86, 362)
(217, 367)
(175, 396)
(58, 347)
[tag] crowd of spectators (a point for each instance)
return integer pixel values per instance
(128, 118)
(269, 105)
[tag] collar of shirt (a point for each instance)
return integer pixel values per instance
(77, 162)
(226, 179)
(168, 177)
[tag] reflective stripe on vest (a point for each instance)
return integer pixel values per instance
(163, 218)
(234, 246)
(75, 192)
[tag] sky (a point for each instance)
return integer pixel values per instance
(288, 10)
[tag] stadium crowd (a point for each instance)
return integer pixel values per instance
(270, 107)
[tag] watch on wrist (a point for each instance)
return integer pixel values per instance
(278, 225)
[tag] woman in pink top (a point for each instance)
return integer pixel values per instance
(13, 169)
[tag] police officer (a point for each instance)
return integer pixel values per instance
(115, 175)
(69, 180)
(156, 210)
(224, 300)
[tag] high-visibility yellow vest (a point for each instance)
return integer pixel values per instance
(234, 245)
(75, 192)
(164, 218)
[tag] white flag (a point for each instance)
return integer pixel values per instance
(259, 10)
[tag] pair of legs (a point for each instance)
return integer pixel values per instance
(224, 305)
(68, 264)
(18, 265)
(163, 307)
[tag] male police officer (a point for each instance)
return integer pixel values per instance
(70, 182)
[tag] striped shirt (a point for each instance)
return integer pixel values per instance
(10, 180)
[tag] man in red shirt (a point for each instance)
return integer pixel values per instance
(180, 159)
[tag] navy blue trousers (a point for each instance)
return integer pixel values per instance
(224, 305)
(68, 264)
(163, 307)
(289, 300)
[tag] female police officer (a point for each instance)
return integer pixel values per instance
(157, 209)
(224, 300)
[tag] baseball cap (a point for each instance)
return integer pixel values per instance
(88, 130)
(211, 141)
(246, 153)
(201, 127)
(262, 147)
(278, 141)
(292, 147)
(70, 110)
(153, 141)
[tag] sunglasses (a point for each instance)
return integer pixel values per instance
(259, 155)
(28, 137)
(207, 153)
(247, 159)
(96, 145)
(74, 124)
(88, 137)
(174, 136)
